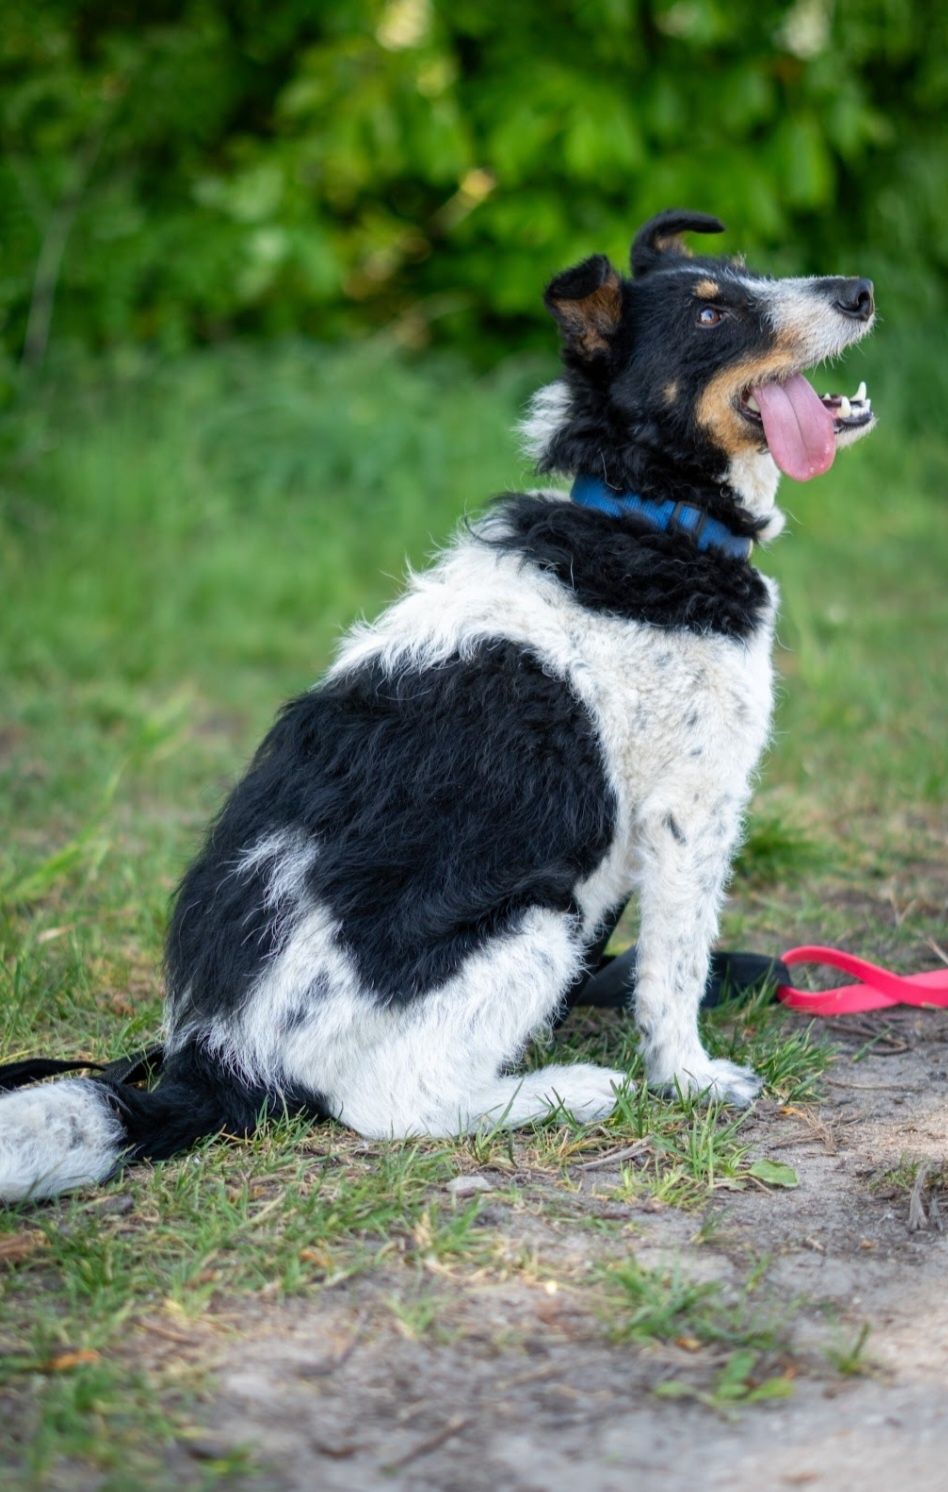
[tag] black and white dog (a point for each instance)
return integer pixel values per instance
(566, 709)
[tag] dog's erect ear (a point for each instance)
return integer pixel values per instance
(587, 303)
(659, 239)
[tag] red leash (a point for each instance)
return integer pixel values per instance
(879, 987)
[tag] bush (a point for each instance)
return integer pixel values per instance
(175, 172)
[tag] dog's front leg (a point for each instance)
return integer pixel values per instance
(686, 845)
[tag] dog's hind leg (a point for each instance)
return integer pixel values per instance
(581, 1089)
(436, 1065)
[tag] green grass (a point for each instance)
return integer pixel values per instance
(181, 544)
(750, 1356)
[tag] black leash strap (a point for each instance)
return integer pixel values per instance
(138, 1067)
(609, 985)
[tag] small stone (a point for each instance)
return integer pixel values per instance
(121, 1203)
(203, 1448)
(466, 1186)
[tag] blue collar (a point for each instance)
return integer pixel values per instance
(665, 517)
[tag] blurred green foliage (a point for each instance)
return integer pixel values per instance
(175, 172)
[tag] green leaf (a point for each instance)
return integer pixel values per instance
(673, 1388)
(736, 1371)
(774, 1173)
(771, 1388)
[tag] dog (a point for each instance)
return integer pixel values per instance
(566, 710)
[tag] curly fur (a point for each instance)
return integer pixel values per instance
(431, 845)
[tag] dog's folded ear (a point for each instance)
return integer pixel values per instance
(659, 239)
(586, 302)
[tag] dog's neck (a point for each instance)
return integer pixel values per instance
(754, 478)
(666, 517)
(563, 438)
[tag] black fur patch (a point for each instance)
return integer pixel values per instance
(195, 1097)
(621, 566)
(635, 442)
(443, 803)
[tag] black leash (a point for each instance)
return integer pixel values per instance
(137, 1068)
(610, 986)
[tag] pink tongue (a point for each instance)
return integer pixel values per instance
(799, 430)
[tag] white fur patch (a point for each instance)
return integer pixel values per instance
(755, 477)
(547, 413)
(432, 1066)
(289, 855)
(55, 1137)
(797, 306)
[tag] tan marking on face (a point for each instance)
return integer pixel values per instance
(590, 321)
(670, 392)
(715, 409)
(707, 289)
(670, 243)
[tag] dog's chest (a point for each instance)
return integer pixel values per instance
(677, 705)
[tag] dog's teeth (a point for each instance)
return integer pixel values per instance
(751, 403)
(860, 394)
(845, 408)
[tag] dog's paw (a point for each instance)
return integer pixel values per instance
(714, 1078)
(584, 1090)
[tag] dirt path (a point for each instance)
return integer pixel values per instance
(515, 1384)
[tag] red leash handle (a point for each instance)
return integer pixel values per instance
(879, 987)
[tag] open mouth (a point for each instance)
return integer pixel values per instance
(801, 428)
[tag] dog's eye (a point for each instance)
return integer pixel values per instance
(710, 316)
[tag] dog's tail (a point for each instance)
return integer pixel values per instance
(76, 1131)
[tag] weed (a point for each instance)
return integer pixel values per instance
(741, 1381)
(417, 1315)
(776, 852)
(850, 1358)
(667, 1306)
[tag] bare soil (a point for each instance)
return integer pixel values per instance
(518, 1383)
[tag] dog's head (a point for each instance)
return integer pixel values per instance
(697, 363)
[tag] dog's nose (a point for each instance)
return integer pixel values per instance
(855, 298)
